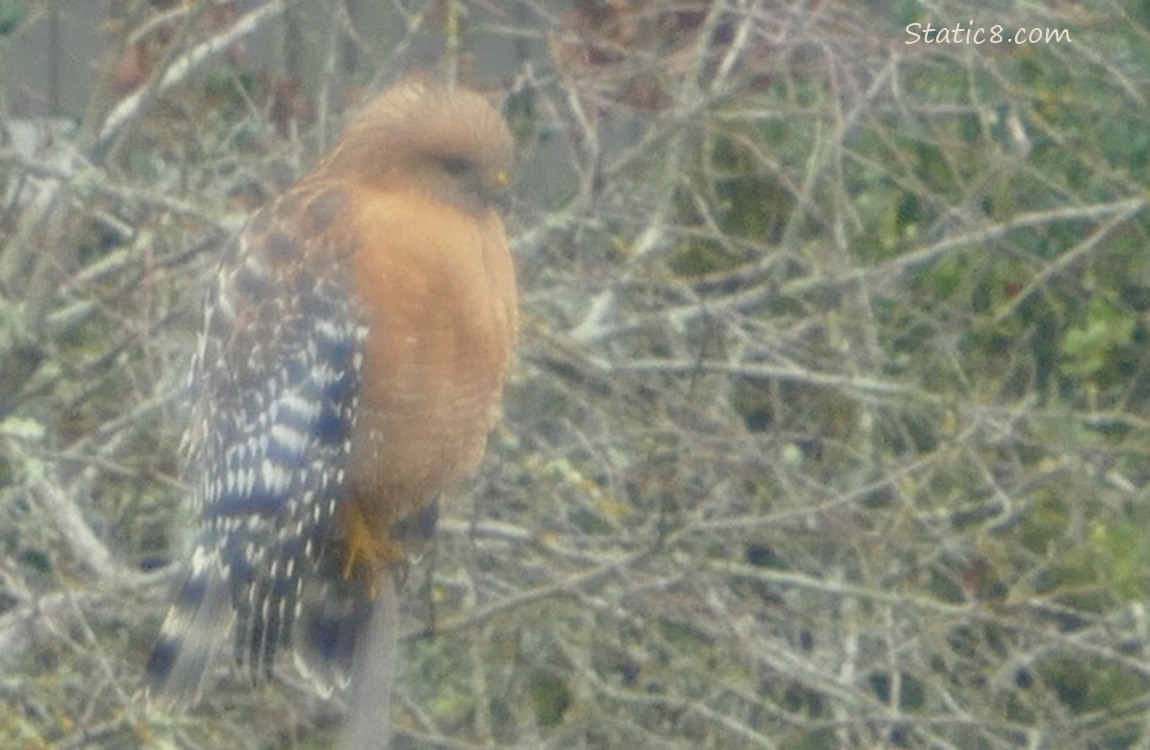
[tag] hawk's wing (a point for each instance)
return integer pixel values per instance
(275, 384)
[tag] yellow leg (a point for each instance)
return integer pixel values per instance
(364, 544)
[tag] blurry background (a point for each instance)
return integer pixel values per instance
(831, 424)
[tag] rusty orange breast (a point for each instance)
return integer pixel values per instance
(438, 287)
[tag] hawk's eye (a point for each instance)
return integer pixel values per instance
(457, 165)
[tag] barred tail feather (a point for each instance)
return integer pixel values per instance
(191, 636)
(330, 624)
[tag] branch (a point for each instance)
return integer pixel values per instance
(133, 105)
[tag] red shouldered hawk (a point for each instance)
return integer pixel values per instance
(355, 345)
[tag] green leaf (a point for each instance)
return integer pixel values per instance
(1087, 348)
(12, 12)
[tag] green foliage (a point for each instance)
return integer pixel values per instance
(1090, 349)
(1122, 557)
(12, 12)
(552, 698)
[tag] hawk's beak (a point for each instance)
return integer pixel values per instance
(499, 194)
